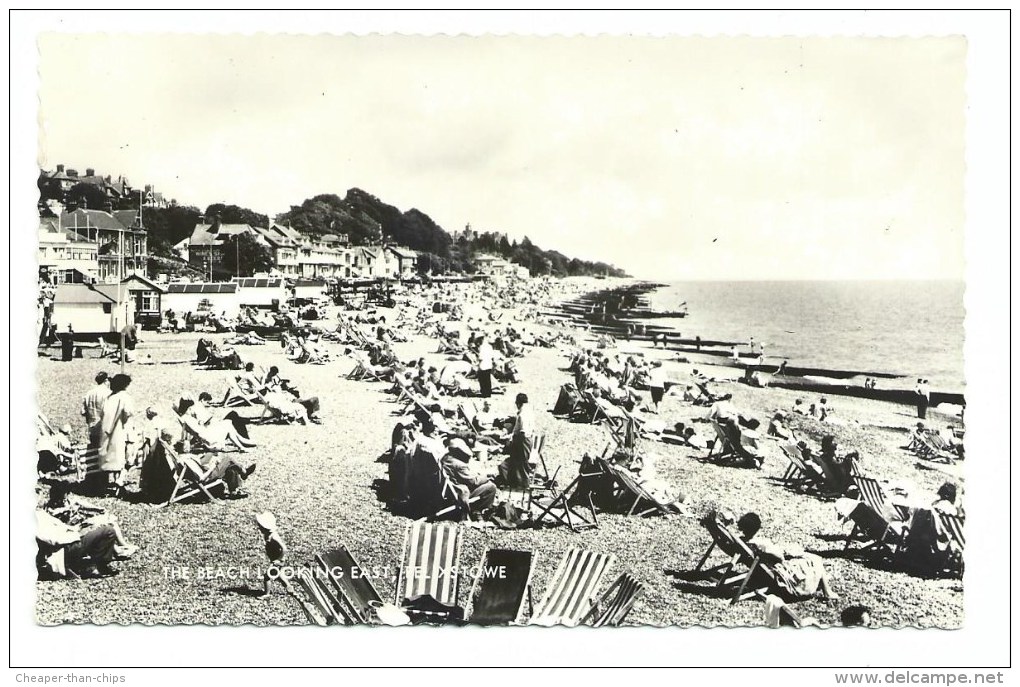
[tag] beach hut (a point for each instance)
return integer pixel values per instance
(306, 290)
(90, 309)
(261, 292)
(215, 297)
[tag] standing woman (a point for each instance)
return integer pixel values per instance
(117, 412)
(514, 472)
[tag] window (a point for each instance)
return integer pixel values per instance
(149, 301)
(107, 308)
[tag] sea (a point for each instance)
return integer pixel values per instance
(911, 328)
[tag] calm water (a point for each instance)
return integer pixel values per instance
(910, 328)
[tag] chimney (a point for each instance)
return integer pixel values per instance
(90, 172)
(60, 168)
(109, 179)
(201, 219)
(73, 173)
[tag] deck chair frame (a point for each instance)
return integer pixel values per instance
(568, 597)
(189, 478)
(613, 606)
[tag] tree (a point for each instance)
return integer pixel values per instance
(87, 197)
(233, 214)
(244, 255)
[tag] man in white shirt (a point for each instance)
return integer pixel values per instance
(485, 356)
(657, 383)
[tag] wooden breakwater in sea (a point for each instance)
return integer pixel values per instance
(621, 312)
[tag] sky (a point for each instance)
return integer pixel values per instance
(673, 158)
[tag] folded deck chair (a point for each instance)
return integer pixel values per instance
(323, 606)
(428, 581)
(568, 598)
(612, 607)
(354, 588)
(629, 489)
(190, 479)
(502, 585)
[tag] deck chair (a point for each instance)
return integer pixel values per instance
(323, 606)
(557, 508)
(934, 447)
(741, 567)
(190, 479)
(799, 475)
(953, 524)
(354, 589)
(628, 488)
(501, 586)
(568, 598)
(428, 581)
(612, 607)
(871, 493)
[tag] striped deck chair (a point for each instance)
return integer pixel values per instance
(799, 475)
(953, 524)
(568, 597)
(354, 589)
(428, 581)
(190, 479)
(876, 521)
(612, 607)
(501, 587)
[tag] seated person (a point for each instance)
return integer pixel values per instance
(157, 479)
(311, 405)
(75, 511)
(742, 443)
(430, 489)
(798, 407)
(947, 501)
(917, 438)
(927, 548)
(778, 428)
(836, 470)
(800, 574)
(66, 551)
(200, 425)
(475, 493)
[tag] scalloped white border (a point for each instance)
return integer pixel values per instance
(983, 641)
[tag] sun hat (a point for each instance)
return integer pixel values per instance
(266, 520)
(460, 448)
